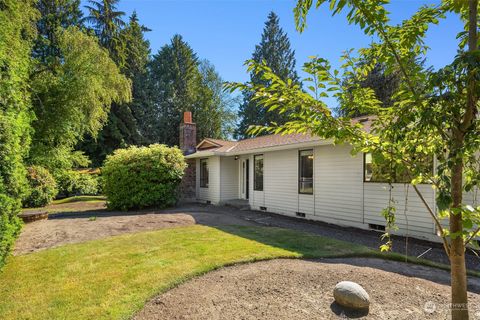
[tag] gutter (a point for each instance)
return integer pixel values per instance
(260, 150)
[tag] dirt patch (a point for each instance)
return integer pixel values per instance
(79, 222)
(299, 289)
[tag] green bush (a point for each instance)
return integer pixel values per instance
(139, 177)
(77, 183)
(43, 187)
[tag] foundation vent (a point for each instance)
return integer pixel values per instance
(376, 227)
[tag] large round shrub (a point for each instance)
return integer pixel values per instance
(43, 187)
(139, 177)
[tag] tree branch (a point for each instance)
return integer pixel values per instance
(435, 219)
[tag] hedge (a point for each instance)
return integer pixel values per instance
(139, 177)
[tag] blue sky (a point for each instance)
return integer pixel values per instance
(226, 31)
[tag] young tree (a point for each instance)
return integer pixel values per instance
(434, 114)
(16, 40)
(274, 49)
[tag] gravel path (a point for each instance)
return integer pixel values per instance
(299, 289)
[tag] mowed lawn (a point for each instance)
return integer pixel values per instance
(112, 278)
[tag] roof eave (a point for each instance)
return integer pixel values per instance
(299, 145)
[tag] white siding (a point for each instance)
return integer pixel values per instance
(338, 184)
(228, 178)
(472, 198)
(340, 195)
(280, 181)
(414, 221)
(212, 193)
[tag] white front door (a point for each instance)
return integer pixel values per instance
(244, 178)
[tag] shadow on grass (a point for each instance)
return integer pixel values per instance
(319, 248)
(307, 245)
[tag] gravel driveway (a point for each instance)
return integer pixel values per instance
(298, 289)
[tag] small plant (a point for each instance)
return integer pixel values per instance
(139, 177)
(94, 218)
(42, 185)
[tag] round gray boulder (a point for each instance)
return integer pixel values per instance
(351, 295)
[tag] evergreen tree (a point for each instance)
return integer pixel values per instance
(178, 82)
(54, 15)
(175, 80)
(107, 23)
(16, 40)
(383, 83)
(137, 53)
(274, 49)
(121, 129)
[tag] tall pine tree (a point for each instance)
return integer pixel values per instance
(180, 82)
(174, 80)
(54, 15)
(137, 54)
(274, 49)
(129, 54)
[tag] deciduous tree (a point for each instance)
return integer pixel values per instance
(73, 99)
(434, 114)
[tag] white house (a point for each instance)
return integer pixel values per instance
(307, 177)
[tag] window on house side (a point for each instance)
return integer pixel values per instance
(204, 173)
(376, 170)
(305, 174)
(258, 174)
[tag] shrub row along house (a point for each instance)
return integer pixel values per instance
(304, 176)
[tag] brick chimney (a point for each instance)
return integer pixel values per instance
(188, 134)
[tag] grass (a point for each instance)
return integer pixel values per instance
(112, 278)
(78, 199)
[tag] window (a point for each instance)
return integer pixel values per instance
(377, 169)
(258, 174)
(204, 173)
(305, 175)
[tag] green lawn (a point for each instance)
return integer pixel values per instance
(79, 199)
(112, 278)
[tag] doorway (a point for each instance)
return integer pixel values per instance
(245, 178)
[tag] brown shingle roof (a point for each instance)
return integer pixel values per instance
(257, 142)
(273, 140)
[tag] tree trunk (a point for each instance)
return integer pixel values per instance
(457, 250)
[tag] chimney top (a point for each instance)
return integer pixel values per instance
(187, 117)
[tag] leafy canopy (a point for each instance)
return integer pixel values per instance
(427, 106)
(74, 99)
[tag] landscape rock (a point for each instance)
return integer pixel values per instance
(351, 295)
